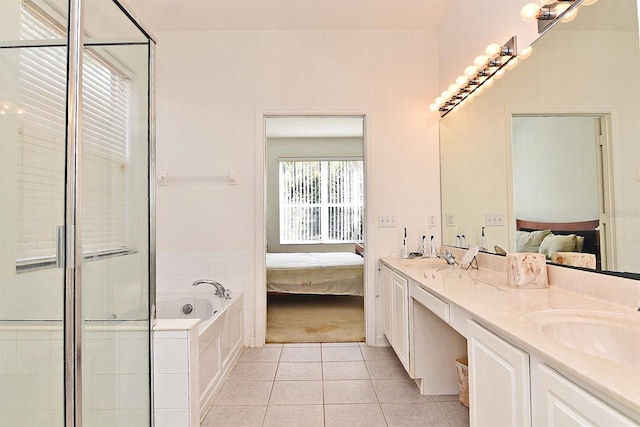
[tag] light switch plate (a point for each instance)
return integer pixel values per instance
(494, 220)
(387, 221)
(450, 220)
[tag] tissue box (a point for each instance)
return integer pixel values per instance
(527, 270)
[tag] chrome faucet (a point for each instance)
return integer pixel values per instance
(448, 256)
(220, 290)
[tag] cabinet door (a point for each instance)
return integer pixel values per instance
(401, 318)
(499, 392)
(387, 302)
(561, 403)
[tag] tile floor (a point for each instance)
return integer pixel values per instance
(331, 385)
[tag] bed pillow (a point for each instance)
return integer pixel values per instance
(579, 243)
(558, 243)
(529, 241)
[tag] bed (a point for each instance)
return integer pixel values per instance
(553, 237)
(330, 273)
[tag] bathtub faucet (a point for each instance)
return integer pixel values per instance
(220, 290)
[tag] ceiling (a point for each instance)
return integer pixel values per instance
(198, 15)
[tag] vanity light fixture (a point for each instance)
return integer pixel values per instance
(525, 53)
(550, 10)
(477, 77)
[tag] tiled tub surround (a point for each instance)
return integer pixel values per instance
(193, 355)
(115, 373)
(484, 296)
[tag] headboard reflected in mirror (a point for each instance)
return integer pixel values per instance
(587, 68)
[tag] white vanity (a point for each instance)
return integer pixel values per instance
(537, 357)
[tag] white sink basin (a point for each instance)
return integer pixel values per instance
(611, 336)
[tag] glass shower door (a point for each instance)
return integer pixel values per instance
(86, 198)
(32, 207)
(116, 219)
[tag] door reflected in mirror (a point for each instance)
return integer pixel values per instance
(559, 185)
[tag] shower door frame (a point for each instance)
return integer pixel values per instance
(72, 235)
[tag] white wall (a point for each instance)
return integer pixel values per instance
(212, 87)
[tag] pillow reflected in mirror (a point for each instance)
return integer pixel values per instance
(558, 243)
(530, 241)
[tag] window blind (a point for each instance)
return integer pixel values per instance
(321, 201)
(41, 158)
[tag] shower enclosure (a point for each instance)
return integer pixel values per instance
(76, 214)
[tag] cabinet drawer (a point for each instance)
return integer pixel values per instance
(431, 302)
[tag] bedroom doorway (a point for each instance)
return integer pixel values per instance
(314, 229)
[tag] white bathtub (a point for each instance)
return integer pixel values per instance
(205, 306)
(218, 340)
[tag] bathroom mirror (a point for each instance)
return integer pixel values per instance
(584, 70)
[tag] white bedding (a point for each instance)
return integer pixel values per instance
(331, 273)
(308, 260)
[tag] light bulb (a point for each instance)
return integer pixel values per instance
(462, 81)
(471, 71)
(480, 61)
(453, 88)
(570, 16)
(439, 100)
(493, 50)
(446, 95)
(529, 12)
(512, 64)
(546, 2)
(479, 91)
(588, 2)
(498, 75)
(526, 52)
(434, 107)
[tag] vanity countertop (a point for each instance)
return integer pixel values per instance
(510, 312)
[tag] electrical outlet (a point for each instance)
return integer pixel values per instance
(387, 221)
(494, 220)
(431, 221)
(450, 220)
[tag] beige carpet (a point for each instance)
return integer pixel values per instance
(314, 318)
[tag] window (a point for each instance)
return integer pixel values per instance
(321, 201)
(41, 136)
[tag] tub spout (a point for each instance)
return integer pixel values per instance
(220, 290)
